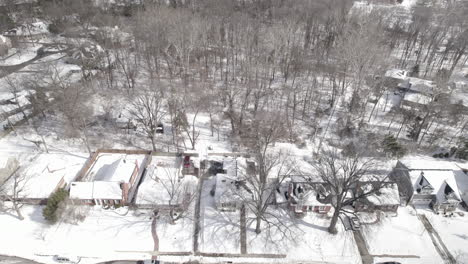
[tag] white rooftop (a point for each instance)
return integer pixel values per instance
(226, 189)
(417, 98)
(116, 167)
(428, 163)
(438, 179)
(44, 173)
(397, 74)
(95, 190)
(387, 195)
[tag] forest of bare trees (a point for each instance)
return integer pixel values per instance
(316, 67)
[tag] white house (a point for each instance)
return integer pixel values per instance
(230, 188)
(425, 181)
(111, 178)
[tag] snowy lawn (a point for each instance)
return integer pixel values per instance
(103, 235)
(401, 235)
(303, 239)
(453, 231)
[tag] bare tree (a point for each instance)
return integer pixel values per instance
(341, 176)
(259, 183)
(178, 192)
(13, 191)
(147, 109)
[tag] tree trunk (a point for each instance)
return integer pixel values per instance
(153, 143)
(334, 220)
(17, 210)
(258, 229)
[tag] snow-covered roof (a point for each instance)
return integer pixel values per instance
(43, 174)
(428, 163)
(421, 85)
(304, 194)
(417, 98)
(387, 195)
(95, 190)
(117, 167)
(227, 189)
(397, 74)
(164, 181)
(34, 28)
(438, 180)
(462, 183)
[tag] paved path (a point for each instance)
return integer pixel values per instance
(437, 241)
(243, 231)
(155, 237)
(362, 247)
(197, 227)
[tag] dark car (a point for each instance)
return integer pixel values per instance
(187, 162)
(160, 129)
(355, 225)
(216, 167)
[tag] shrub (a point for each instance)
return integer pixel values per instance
(50, 211)
(462, 151)
(391, 147)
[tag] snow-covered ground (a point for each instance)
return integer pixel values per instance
(103, 235)
(453, 232)
(304, 239)
(220, 230)
(402, 235)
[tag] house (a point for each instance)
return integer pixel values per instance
(461, 176)
(230, 188)
(29, 31)
(164, 186)
(386, 199)
(41, 175)
(430, 182)
(110, 177)
(301, 195)
(5, 45)
(228, 195)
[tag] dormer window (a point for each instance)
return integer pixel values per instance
(424, 186)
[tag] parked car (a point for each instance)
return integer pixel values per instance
(149, 261)
(160, 129)
(187, 162)
(64, 259)
(216, 167)
(389, 262)
(355, 225)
